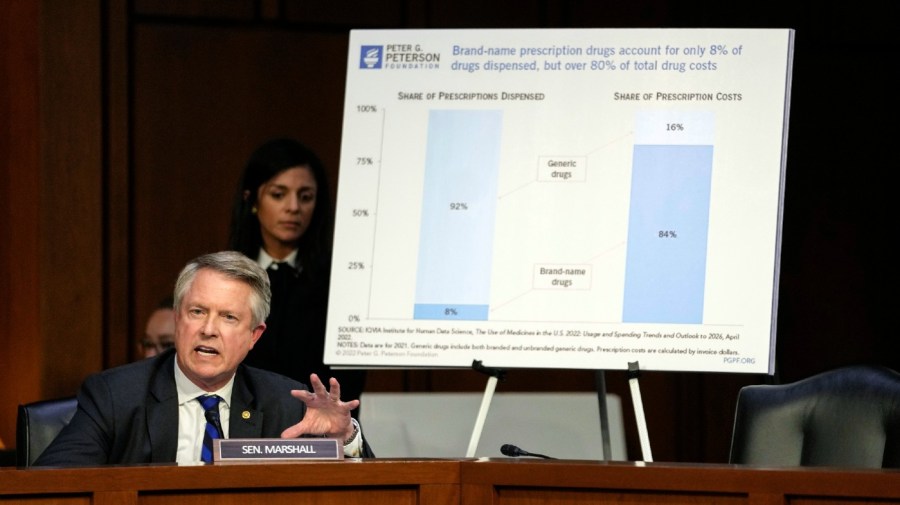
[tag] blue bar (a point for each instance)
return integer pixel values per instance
(665, 269)
(452, 312)
(459, 202)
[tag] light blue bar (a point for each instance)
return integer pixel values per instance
(452, 312)
(664, 275)
(459, 202)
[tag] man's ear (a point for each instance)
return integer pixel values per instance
(257, 332)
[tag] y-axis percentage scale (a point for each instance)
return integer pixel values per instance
(364, 170)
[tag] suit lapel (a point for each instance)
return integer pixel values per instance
(162, 413)
(245, 421)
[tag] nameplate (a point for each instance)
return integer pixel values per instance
(267, 450)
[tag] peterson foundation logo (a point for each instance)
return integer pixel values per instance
(398, 57)
(370, 56)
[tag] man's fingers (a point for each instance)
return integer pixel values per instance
(293, 431)
(317, 385)
(335, 388)
(302, 395)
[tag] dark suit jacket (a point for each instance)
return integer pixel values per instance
(129, 414)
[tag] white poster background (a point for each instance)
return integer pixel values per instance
(567, 95)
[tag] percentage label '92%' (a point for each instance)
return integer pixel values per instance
(459, 206)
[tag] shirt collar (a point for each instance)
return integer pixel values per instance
(265, 261)
(188, 391)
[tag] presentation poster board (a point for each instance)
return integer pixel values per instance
(556, 198)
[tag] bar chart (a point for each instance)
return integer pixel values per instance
(458, 204)
(669, 218)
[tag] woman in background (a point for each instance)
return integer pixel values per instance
(282, 217)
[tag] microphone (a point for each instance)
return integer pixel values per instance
(515, 452)
(212, 417)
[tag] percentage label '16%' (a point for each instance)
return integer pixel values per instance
(674, 127)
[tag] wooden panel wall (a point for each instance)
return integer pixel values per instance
(19, 185)
(52, 255)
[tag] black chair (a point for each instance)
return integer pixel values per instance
(37, 424)
(848, 417)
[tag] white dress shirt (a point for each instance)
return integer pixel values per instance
(265, 261)
(192, 417)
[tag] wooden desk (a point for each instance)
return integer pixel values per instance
(510, 482)
(374, 482)
(446, 482)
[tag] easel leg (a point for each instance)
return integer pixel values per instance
(495, 375)
(600, 382)
(633, 374)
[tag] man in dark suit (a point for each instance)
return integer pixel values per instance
(149, 411)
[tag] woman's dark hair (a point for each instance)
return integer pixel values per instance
(267, 161)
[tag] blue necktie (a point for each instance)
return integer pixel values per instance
(211, 406)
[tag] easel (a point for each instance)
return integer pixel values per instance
(496, 374)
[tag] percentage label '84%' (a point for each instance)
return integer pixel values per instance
(667, 234)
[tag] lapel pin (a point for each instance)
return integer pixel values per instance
(245, 414)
